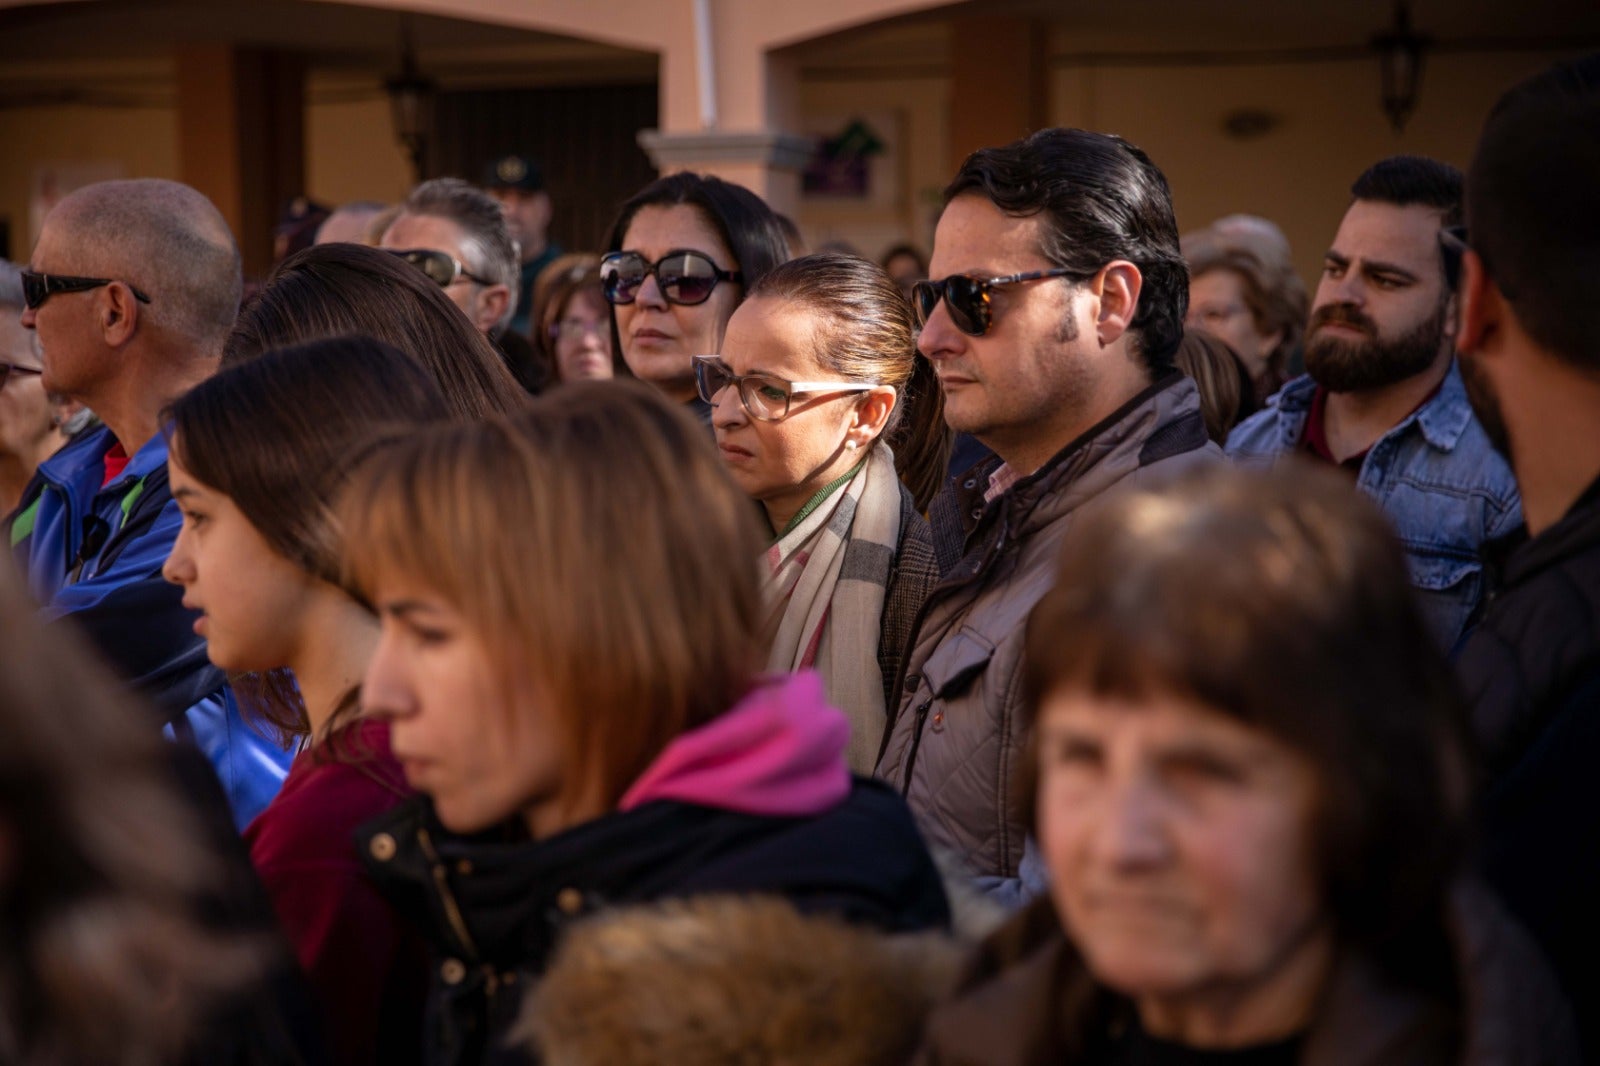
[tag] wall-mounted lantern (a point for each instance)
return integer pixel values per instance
(411, 97)
(1400, 54)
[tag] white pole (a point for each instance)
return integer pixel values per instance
(707, 67)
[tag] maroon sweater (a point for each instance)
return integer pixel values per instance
(368, 969)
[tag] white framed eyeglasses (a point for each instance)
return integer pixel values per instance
(763, 396)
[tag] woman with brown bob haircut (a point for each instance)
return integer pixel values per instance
(571, 662)
(333, 290)
(1249, 791)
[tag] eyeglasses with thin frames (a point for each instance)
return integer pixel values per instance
(764, 397)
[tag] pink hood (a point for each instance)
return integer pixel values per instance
(779, 752)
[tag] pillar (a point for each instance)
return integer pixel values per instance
(241, 137)
(999, 82)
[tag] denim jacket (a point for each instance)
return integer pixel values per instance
(95, 554)
(1435, 475)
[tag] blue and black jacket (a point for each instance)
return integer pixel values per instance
(95, 553)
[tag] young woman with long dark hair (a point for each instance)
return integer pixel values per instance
(258, 454)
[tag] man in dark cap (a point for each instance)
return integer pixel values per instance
(516, 182)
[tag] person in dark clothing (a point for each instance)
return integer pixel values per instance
(1530, 358)
(134, 930)
(1052, 324)
(578, 691)
(517, 184)
(1249, 785)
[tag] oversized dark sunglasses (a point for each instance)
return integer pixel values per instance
(7, 369)
(764, 397)
(442, 269)
(685, 278)
(37, 288)
(967, 298)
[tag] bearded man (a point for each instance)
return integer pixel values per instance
(1383, 397)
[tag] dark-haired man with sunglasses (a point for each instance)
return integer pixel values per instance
(1055, 305)
(132, 289)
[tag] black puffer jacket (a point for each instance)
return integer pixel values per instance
(495, 910)
(1531, 670)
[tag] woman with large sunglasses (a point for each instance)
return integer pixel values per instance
(681, 255)
(807, 396)
(580, 693)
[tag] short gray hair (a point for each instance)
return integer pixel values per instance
(487, 246)
(170, 241)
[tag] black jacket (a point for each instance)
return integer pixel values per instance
(494, 908)
(1531, 670)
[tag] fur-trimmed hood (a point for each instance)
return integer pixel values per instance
(728, 980)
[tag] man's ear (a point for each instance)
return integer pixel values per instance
(119, 311)
(1482, 307)
(1117, 287)
(492, 304)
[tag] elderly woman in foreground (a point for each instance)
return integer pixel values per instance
(1249, 792)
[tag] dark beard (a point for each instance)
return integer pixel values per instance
(1485, 405)
(1339, 365)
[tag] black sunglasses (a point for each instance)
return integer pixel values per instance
(7, 369)
(37, 288)
(967, 297)
(685, 278)
(442, 269)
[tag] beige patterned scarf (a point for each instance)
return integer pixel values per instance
(828, 577)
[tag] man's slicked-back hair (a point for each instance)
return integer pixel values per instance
(1407, 180)
(1531, 210)
(488, 248)
(168, 240)
(1101, 199)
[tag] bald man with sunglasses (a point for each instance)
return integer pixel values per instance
(132, 289)
(1055, 304)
